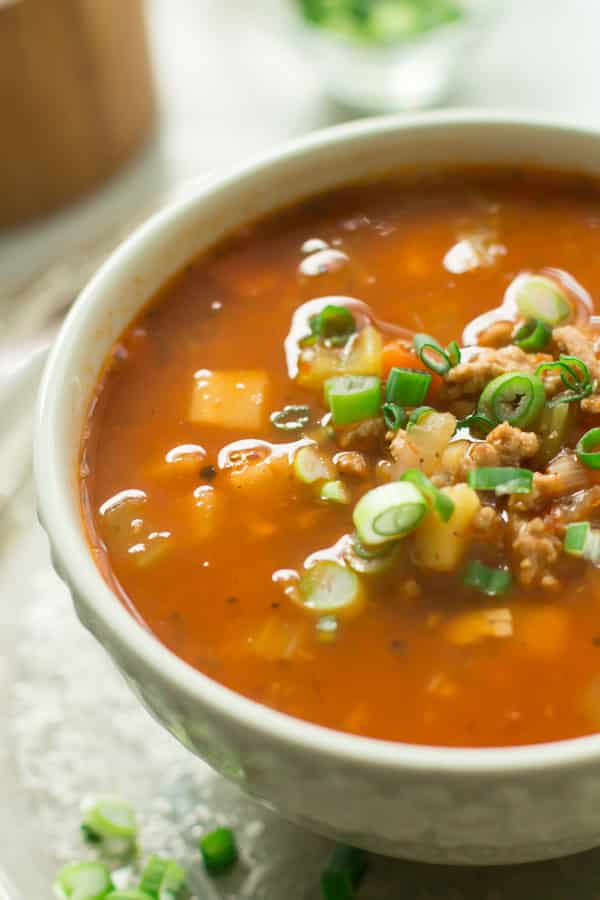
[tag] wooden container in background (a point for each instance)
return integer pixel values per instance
(76, 98)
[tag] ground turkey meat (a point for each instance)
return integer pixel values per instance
(504, 446)
(367, 435)
(573, 342)
(536, 549)
(470, 377)
(498, 334)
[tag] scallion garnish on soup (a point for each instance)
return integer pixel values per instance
(347, 463)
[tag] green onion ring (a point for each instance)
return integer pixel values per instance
(533, 335)
(515, 397)
(439, 501)
(418, 414)
(585, 448)
(501, 479)
(477, 421)
(432, 354)
(393, 416)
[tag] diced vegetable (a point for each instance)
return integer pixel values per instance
(129, 894)
(360, 356)
(487, 580)
(334, 324)
(230, 399)
(174, 883)
(418, 415)
(429, 437)
(575, 376)
(515, 397)
(440, 502)
(553, 426)
(533, 335)
(83, 881)
(219, 851)
(576, 538)
(110, 822)
(153, 874)
(352, 398)
(276, 639)
(407, 387)
(397, 355)
(473, 627)
(312, 466)
(335, 492)
(257, 470)
(393, 416)
(331, 588)
(501, 479)
(538, 297)
(388, 512)
(478, 423)
(343, 873)
(588, 448)
(440, 545)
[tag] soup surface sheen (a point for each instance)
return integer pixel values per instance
(207, 543)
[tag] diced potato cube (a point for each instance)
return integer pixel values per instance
(543, 631)
(473, 627)
(230, 399)
(440, 545)
(259, 475)
(206, 515)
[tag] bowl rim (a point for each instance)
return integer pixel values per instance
(66, 530)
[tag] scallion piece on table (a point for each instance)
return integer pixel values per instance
(352, 398)
(153, 874)
(110, 817)
(218, 850)
(588, 448)
(335, 492)
(333, 324)
(343, 873)
(576, 538)
(329, 587)
(174, 882)
(393, 416)
(533, 335)
(515, 397)
(388, 512)
(407, 387)
(418, 414)
(501, 480)
(440, 502)
(84, 881)
(291, 418)
(487, 580)
(538, 297)
(432, 354)
(311, 466)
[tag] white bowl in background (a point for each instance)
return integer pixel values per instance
(429, 803)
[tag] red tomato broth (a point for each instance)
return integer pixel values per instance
(391, 673)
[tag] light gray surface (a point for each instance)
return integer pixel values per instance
(229, 87)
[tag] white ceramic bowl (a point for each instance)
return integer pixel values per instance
(428, 803)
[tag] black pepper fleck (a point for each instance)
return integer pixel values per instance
(275, 605)
(232, 599)
(398, 646)
(596, 641)
(208, 473)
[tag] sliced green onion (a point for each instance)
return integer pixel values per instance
(418, 414)
(487, 580)
(533, 335)
(335, 492)
(432, 354)
(343, 873)
(439, 501)
(291, 418)
(329, 587)
(388, 512)
(515, 397)
(84, 881)
(153, 874)
(111, 816)
(538, 297)
(333, 324)
(407, 387)
(588, 448)
(370, 562)
(477, 422)
(453, 353)
(174, 883)
(501, 479)
(576, 538)
(218, 850)
(311, 466)
(394, 416)
(352, 398)
(578, 383)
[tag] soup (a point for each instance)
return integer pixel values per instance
(345, 463)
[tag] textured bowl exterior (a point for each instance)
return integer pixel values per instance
(432, 804)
